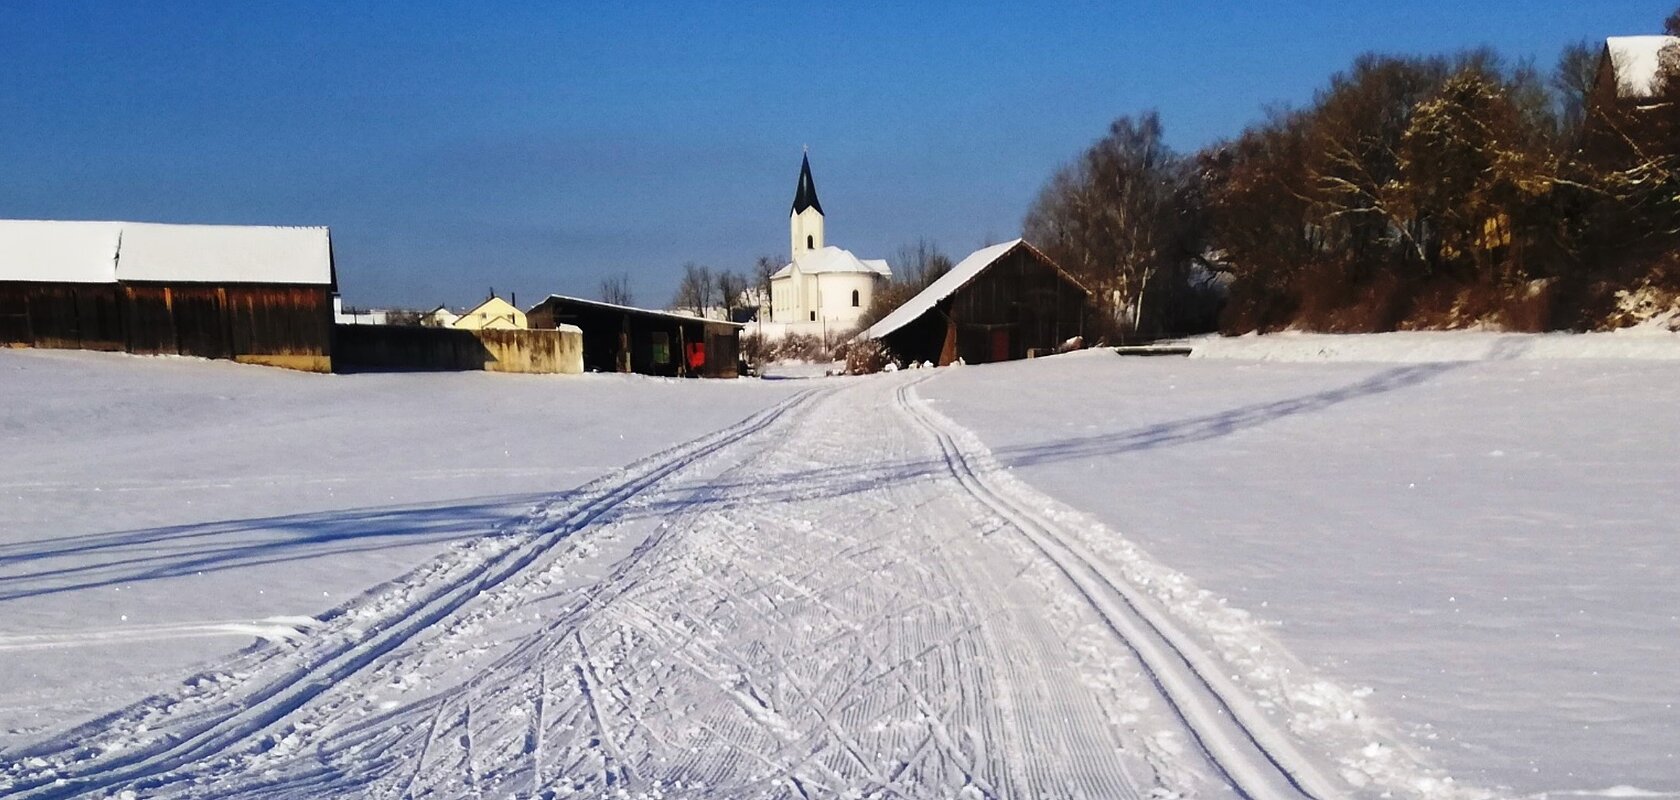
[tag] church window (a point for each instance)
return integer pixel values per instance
(810, 242)
(854, 298)
(813, 316)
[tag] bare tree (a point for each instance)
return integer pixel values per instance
(696, 290)
(1123, 219)
(616, 289)
(731, 286)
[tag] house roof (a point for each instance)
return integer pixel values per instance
(833, 259)
(107, 252)
(1637, 62)
(489, 302)
(805, 196)
(634, 310)
(948, 284)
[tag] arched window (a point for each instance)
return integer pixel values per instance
(854, 298)
(810, 243)
(813, 316)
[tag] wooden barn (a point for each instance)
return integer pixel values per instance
(625, 339)
(1003, 302)
(259, 295)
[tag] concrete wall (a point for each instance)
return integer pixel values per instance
(391, 347)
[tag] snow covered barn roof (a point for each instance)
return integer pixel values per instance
(674, 315)
(1637, 62)
(834, 259)
(59, 252)
(52, 251)
(948, 284)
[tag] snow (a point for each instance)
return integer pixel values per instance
(224, 254)
(1467, 539)
(152, 503)
(105, 252)
(1637, 62)
(833, 259)
(69, 252)
(1402, 566)
(1645, 342)
(947, 284)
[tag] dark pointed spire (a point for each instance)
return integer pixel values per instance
(806, 196)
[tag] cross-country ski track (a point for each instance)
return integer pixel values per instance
(842, 595)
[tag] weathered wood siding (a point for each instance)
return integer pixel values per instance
(1020, 305)
(289, 326)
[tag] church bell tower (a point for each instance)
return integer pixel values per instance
(805, 222)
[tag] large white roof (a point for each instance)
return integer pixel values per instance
(106, 252)
(61, 252)
(946, 285)
(834, 259)
(1637, 61)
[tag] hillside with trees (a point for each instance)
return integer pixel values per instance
(1413, 192)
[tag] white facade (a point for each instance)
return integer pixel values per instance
(823, 290)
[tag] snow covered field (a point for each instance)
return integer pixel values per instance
(1444, 569)
(1491, 544)
(154, 511)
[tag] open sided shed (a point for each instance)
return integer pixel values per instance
(253, 294)
(624, 339)
(1003, 302)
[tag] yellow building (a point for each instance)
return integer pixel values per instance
(494, 314)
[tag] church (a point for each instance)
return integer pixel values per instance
(823, 290)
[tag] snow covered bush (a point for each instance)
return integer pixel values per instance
(868, 357)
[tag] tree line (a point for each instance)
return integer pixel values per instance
(1412, 192)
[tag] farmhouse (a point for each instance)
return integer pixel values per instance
(823, 290)
(260, 295)
(624, 339)
(492, 314)
(1003, 302)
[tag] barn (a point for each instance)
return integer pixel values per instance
(625, 339)
(260, 295)
(1003, 302)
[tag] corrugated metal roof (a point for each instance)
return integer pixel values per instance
(107, 252)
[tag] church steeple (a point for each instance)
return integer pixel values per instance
(806, 195)
(805, 221)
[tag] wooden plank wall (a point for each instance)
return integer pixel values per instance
(287, 326)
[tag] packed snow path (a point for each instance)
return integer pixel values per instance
(838, 596)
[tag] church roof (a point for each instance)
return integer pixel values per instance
(834, 259)
(806, 195)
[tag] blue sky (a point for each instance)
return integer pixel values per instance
(535, 148)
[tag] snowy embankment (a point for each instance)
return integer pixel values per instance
(1467, 539)
(156, 513)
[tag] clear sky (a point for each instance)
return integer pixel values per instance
(534, 148)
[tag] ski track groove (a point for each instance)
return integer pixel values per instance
(833, 597)
(1236, 739)
(270, 703)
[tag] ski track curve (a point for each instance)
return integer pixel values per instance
(835, 597)
(1260, 761)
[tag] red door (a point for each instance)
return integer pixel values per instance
(1000, 344)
